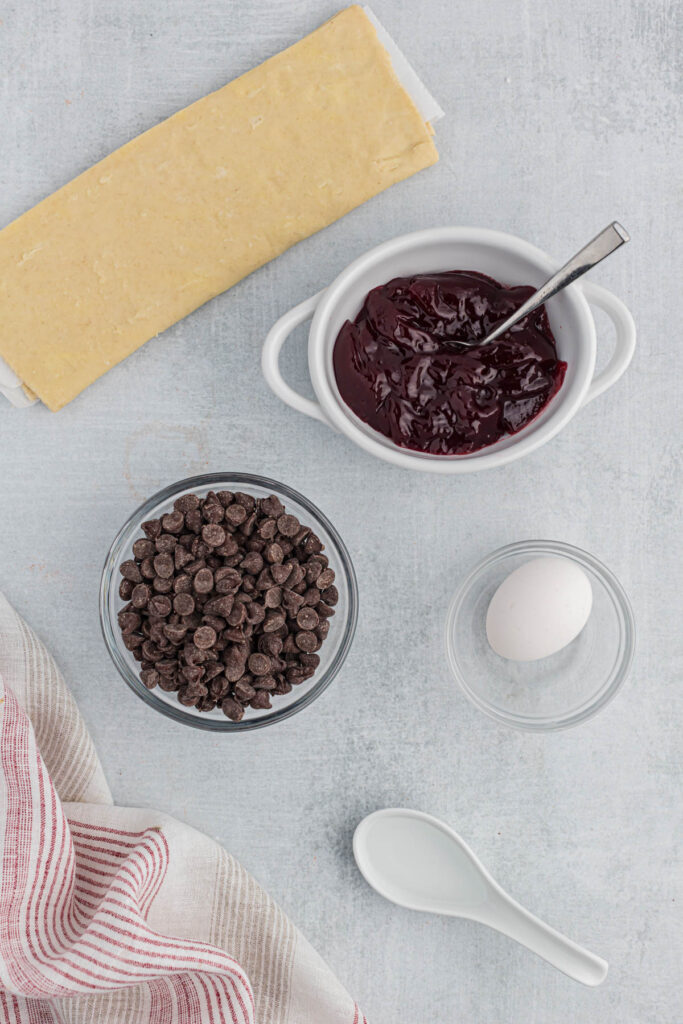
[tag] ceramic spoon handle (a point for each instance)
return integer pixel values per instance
(601, 246)
(513, 920)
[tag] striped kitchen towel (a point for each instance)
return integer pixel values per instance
(118, 915)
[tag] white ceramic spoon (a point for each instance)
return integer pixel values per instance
(420, 863)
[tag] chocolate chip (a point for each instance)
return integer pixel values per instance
(325, 579)
(234, 670)
(150, 678)
(213, 511)
(252, 563)
(203, 581)
(232, 709)
(272, 506)
(176, 634)
(235, 514)
(140, 595)
(270, 644)
(163, 566)
(168, 683)
(151, 652)
(144, 549)
(273, 597)
(192, 673)
(237, 615)
(307, 642)
(152, 528)
(173, 522)
(280, 573)
(296, 575)
(267, 529)
(273, 553)
(256, 613)
(273, 621)
(129, 621)
(160, 605)
(218, 688)
(130, 571)
(312, 596)
(220, 605)
(229, 599)
(166, 667)
(147, 570)
(313, 571)
(183, 604)
(204, 637)
(227, 580)
(259, 664)
(213, 535)
(309, 660)
(288, 526)
(265, 580)
(307, 618)
(260, 700)
(243, 691)
(181, 556)
(186, 503)
(213, 670)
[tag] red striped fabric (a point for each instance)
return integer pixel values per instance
(112, 915)
(74, 898)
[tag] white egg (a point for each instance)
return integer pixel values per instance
(538, 609)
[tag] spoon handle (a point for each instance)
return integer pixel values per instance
(601, 246)
(515, 921)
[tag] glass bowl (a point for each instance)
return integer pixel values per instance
(342, 624)
(562, 690)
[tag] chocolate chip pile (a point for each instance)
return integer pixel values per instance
(229, 599)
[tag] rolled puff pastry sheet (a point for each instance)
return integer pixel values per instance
(196, 203)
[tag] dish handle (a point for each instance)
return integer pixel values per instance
(625, 343)
(270, 358)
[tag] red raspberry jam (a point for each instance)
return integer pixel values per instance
(399, 366)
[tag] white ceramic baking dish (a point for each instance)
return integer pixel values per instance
(504, 257)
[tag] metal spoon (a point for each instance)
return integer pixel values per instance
(602, 245)
(420, 863)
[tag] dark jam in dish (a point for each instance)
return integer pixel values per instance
(400, 369)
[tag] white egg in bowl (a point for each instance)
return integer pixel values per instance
(538, 609)
(540, 635)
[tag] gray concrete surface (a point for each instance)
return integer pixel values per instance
(561, 117)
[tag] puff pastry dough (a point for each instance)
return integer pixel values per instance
(198, 202)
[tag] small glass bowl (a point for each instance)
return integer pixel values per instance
(552, 693)
(342, 624)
